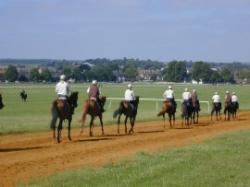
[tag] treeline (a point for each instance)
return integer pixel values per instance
(126, 69)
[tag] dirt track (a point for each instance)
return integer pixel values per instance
(36, 154)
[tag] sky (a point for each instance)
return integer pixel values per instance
(164, 30)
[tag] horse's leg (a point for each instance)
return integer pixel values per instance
(118, 124)
(197, 117)
(59, 131)
(132, 122)
(125, 122)
(164, 120)
(69, 128)
(91, 126)
(174, 119)
(100, 117)
(170, 120)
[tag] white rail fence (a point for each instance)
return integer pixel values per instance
(156, 100)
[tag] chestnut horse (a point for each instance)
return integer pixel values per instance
(169, 108)
(91, 107)
(187, 109)
(228, 110)
(195, 111)
(130, 111)
(63, 110)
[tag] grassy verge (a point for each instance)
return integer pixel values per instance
(223, 161)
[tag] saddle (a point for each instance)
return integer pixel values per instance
(63, 106)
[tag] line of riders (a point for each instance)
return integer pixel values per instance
(189, 98)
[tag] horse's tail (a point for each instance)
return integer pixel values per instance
(54, 113)
(163, 109)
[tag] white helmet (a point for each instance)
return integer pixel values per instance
(62, 77)
(233, 93)
(215, 93)
(186, 89)
(169, 87)
(129, 86)
(227, 92)
(194, 90)
(94, 82)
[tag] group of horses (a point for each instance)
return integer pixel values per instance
(63, 110)
(190, 113)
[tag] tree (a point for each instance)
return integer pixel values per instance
(46, 75)
(35, 75)
(67, 71)
(176, 71)
(130, 72)
(11, 73)
(201, 70)
(227, 75)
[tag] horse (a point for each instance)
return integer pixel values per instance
(216, 108)
(63, 110)
(91, 107)
(129, 112)
(195, 111)
(1, 102)
(187, 113)
(169, 108)
(23, 96)
(235, 107)
(228, 110)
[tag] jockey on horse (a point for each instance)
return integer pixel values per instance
(234, 100)
(129, 96)
(62, 90)
(216, 100)
(168, 95)
(94, 95)
(195, 100)
(187, 97)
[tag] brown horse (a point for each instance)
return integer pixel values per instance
(195, 111)
(1, 102)
(170, 109)
(63, 109)
(92, 108)
(130, 111)
(187, 109)
(228, 110)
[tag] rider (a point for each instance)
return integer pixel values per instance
(216, 99)
(62, 90)
(187, 97)
(234, 100)
(94, 94)
(168, 95)
(195, 99)
(129, 96)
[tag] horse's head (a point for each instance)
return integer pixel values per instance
(73, 98)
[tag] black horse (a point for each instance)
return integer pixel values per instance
(1, 102)
(63, 109)
(94, 109)
(23, 95)
(235, 108)
(130, 111)
(187, 109)
(216, 108)
(169, 108)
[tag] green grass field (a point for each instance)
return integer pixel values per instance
(223, 161)
(18, 117)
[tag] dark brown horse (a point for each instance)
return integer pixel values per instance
(63, 110)
(187, 109)
(130, 111)
(169, 108)
(235, 108)
(1, 102)
(92, 108)
(228, 110)
(216, 108)
(195, 111)
(23, 96)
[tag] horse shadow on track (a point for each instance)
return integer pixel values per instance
(21, 148)
(93, 139)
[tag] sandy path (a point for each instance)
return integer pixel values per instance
(35, 154)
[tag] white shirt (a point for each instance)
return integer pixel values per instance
(234, 98)
(62, 88)
(186, 96)
(129, 95)
(216, 98)
(168, 94)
